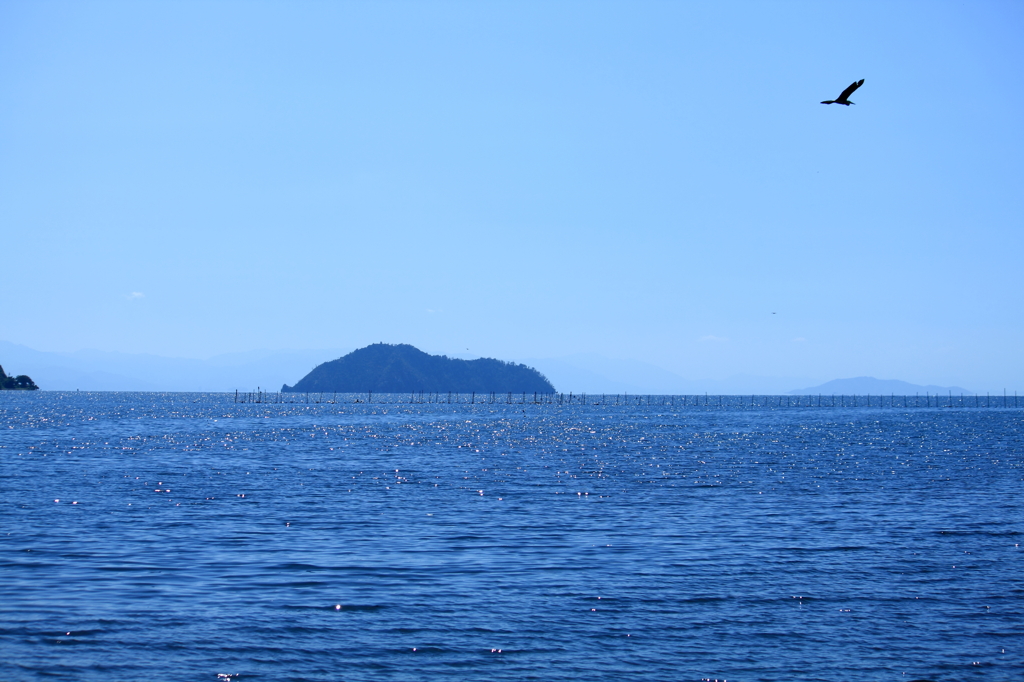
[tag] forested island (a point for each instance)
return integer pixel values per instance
(401, 368)
(18, 383)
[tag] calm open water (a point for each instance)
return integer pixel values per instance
(181, 536)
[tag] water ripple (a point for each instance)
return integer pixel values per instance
(185, 536)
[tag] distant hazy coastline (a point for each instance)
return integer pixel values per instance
(92, 370)
(871, 385)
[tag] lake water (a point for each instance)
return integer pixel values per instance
(183, 536)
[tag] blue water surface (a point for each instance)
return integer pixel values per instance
(149, 536)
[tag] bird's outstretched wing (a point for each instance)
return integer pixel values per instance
(850, 90)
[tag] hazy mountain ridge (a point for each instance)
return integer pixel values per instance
(871, 385)
(93, 370)
(592, 373)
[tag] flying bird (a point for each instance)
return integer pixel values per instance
(844, 98)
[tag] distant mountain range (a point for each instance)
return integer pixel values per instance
(871, 385)
(401, 368)
(592, 373)
(92, 370)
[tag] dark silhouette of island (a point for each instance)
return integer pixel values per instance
(18, 383)
(401, 368)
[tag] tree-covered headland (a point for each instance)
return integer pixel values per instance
(18, 383)
(401, 368)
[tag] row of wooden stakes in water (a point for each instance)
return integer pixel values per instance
(509, 398)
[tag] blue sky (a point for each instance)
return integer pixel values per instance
(652, 181)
